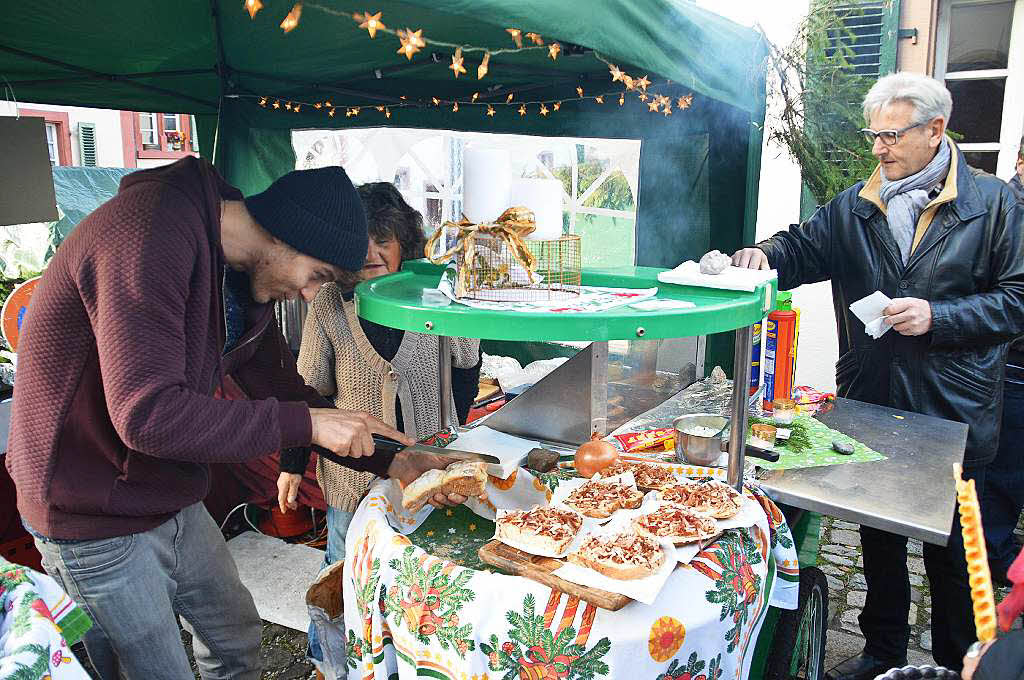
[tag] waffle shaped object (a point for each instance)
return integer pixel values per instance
(978, 574)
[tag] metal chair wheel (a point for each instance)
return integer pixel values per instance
(798, 650)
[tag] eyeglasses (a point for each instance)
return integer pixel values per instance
(888, 137)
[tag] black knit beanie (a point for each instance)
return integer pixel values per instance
(316, 212)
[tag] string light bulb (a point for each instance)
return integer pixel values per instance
(387, 112)
(329, 104)
(622, 99)
(490, 111)
(628, 81)
(371, 22)
(616, 73)
(455, 107)
(652, 105)
(288, 106)
(535, 38)
(522, 109)
(667, 111)
(476, 95)
(553, 50)
(253, 6)
(330, 114)
(436, 101)
(411, 41)
(296, 108)
(556, 105)
(508, 99)
(457, 60)
(292, 20)
(543, 110)
(481, 70)
(517, 36)
(318, 105)
(642, 83)
(599, 99)
(579, 91)
(277, 103)
(263, 102)
(684, 102)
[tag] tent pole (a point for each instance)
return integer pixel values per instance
(99, 75)
(125, 76)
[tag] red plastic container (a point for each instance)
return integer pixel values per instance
(779, 356)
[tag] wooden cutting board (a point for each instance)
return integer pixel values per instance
(539, 569)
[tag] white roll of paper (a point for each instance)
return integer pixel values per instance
(544, 198)
(486, 183)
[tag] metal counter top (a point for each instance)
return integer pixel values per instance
(909, 493)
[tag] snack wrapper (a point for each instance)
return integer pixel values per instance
(662, 439)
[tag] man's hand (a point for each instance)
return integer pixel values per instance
(909, 316)
(750, 258)
(288, 491)
(971, 661)
(350, 433)
(406, 467)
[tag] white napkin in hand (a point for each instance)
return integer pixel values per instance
(871, 311)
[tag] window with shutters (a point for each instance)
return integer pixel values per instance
(869, 30)
(87, 144)
(157, 136)
(980, 55)
(148, 131)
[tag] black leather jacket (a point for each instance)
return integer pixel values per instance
(969, 264)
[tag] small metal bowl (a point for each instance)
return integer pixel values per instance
(697, 449)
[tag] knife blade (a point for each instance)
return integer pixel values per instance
(454, 454)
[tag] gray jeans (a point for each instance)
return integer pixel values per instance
(134, 587)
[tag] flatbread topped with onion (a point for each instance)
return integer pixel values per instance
(676, 524)
(601, 499)
(624, 556)
(710, 497)
(547, 529)
(648, 476)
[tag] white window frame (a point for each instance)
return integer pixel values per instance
(51, 143)
(1012, 124)
(154, 140)
(176, 120)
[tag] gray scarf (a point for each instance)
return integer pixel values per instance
(906, 198)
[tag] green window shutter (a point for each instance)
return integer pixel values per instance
(890, 37)
(87, 143)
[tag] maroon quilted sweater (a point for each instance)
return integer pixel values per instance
(113, 421)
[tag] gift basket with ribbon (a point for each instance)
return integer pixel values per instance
(495, 261)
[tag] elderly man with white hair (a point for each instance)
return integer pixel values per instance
(946, 243)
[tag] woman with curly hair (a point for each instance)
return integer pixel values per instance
(390, 373)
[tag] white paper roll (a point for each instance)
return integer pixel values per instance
(486, 183)
(544, 198)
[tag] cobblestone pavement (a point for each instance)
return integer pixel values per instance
(839, 557)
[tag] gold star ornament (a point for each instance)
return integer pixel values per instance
(553, 50)
(490, 111)
(517, 36)
(653, 105)
(684, 103)
(292, 20)
(543, 110)
(481, 70)
(642, 83)
(522, 109)
(457, 60)
(616, 73)
(412, 41)
(253, 6)
(371, 22)
(535, 38)
(579, 91)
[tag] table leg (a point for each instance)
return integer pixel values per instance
(738, 423)
(444, 374)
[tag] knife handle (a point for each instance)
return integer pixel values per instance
(384, 444)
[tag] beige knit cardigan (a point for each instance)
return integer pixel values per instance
(337, 359)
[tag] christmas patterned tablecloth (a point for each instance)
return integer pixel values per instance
(418, 601)
(38, 623)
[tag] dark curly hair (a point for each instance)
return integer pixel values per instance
(389, 216)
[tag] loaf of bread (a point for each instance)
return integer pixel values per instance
(466, 478)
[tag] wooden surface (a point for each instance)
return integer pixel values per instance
(539, 569)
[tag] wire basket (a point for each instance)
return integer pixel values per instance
(496, 275)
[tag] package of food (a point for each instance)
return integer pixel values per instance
(662, 439)
(810, 399)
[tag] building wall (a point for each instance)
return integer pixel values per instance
(918, 55)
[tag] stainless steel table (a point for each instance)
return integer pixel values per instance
(909, 493)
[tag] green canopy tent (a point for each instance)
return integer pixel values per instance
(699, 167)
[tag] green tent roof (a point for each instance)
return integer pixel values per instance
(168, 56)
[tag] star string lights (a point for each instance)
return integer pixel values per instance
(413, 42)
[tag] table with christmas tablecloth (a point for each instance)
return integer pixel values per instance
(418, 601)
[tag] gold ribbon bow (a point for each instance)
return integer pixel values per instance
(512, 227)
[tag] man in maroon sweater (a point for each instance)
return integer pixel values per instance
(152, 300)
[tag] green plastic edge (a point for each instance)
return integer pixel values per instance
(395, 301)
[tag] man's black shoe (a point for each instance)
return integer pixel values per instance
(862, 667)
